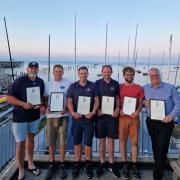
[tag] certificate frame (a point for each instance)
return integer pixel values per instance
(83, 106)
(56, 105)
(34, 99)
(157, 109)
(107, 105)
(129, 105)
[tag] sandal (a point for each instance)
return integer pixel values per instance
(35, 171)
(21, 178)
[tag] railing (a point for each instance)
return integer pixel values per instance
(7, 142)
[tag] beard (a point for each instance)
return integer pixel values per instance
(32, 75)
(129, 80)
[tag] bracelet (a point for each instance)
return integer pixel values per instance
(94, 112)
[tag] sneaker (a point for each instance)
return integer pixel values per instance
(76, 170)
(63, 171)
(125, 171)
(50, 172)
(114, 170)
(100, 169)
(88, 170)
(136, 173)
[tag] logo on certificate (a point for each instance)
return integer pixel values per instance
(84, 99)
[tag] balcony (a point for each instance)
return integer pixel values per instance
(8, 166)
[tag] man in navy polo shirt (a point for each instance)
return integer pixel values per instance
(25, 116)
(107, 125)
(83, 125)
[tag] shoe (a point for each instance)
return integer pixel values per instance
(100, 170)
(88, 170)
(76, 170)
(50, 172)
(125, 171)
(136, 173)
(63, 171)
(114, 170)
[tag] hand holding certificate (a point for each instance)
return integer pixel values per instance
(129, 105)
(83, 105)
(157, 109)
(56, 102)
(107, 106)
(33, 95)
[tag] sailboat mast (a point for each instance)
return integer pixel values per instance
(75, 48)
(106, 43)
(177, 71)
(134, 53)
(12, 71)
(128, 51)
(170, 47)
(49, 57)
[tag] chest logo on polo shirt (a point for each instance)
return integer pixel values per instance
(62, 87)
(88, 89)
(112, 88)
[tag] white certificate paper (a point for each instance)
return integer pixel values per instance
(157, 109)
(33, 95)
(56, 101)
(107, 106)
(83, 105)
(129, 105)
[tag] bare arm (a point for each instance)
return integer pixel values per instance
(71, 109)
(116, 111)
(13, 100)
(136, 113)
(95, 108)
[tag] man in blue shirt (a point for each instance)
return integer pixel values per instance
(83, 124)
(107, 124)
(160, 130)
(25, 116)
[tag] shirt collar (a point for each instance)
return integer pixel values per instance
(160, 85)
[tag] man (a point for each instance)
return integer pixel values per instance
(57, 122)
(107, 125)
(83, 125)
(160, 130)
(129, 123)
(25, 116)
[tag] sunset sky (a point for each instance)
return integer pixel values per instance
(30, 22)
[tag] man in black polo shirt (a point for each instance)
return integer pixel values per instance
(106, 124)
(83, 123)
(26, 115)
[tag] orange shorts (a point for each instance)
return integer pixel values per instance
(128, 126)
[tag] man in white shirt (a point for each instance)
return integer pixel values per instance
(57, 122)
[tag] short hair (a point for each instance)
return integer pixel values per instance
(154, 69)
(83, 68)
(107, 66)
(58, 66)
(128, 69)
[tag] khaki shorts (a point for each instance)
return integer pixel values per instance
(128, 127)
(56, 128)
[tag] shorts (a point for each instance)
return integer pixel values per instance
(128, 127)
(56, 127)
(82, 129)
(20, 130)
(106, 126)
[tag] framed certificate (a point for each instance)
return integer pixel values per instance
(33, 95)
(56, 101)
(107, 106)
(129, 105)
(83, 105)
(157, 109)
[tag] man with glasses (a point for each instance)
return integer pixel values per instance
(160, 130)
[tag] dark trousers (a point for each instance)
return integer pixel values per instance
(160, 134)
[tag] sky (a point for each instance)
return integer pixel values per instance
(30, 22)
